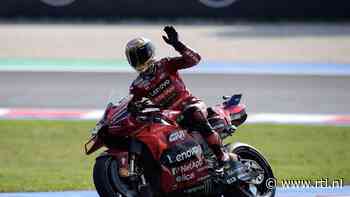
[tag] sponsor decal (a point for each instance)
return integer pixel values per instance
(185, 177)
(160, 88)
(231, 180)
(217, 3)
(164, 93)
(177, 136)
(187, 167)
(230, 172)
(194, 151)
(195, 189)
(168, 98)
(58, 3)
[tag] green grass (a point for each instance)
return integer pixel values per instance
(44, 156)
(302, 152)
(48, 155)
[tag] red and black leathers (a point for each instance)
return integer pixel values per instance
(162, 84)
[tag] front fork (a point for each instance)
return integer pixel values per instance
(136, 175)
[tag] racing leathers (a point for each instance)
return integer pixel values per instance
(162, 84)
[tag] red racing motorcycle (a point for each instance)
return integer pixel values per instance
(149, 153)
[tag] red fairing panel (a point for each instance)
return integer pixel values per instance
(155, 137)
(121, 122)
(181, 157)
(236, 109)
(126, 127)
(168, 180)
(225, 112)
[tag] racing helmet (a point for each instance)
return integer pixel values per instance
(140, 53)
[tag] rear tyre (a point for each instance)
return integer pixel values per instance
(248, 153)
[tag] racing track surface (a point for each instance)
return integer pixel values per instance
(262, 93)
(280, 192)
(239, 42)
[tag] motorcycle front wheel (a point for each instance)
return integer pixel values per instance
(107, 181)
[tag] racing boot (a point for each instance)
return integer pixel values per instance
(229, 168)
(215, 144)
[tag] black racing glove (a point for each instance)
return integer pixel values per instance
(172, 38)
(135, 107)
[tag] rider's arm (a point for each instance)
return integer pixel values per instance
(132, 106)
(188, 56)
(136, 93)
(187, 59)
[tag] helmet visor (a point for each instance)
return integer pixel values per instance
(140, 55)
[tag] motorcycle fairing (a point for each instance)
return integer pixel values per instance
(154, 137)
(221, 116)
(180, 155)
(93, 144)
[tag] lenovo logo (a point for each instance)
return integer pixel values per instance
(193, 151)
(160, 88)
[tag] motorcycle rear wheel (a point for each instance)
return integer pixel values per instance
(247, 152)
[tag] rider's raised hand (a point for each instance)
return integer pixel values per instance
(172, 37)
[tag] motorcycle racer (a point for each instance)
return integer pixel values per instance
(160, 82)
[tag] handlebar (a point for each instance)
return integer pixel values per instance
(142, 106)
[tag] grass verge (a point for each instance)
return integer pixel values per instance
(48, 155)
(302, 152)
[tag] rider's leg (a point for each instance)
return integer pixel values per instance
(195, 115)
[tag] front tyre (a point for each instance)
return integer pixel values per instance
(252, 158)
(107, 181)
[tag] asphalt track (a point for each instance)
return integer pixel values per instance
(262, 93)
(280, 192)
(243, 43)
(239, 42)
